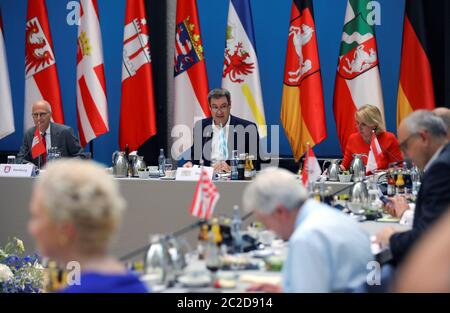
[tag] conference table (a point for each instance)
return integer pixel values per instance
(154, 206)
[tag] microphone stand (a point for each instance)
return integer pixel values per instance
(175, 234)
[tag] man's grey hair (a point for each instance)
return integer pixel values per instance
(444, 114)
(421, 120)
(219, 93)
(274, 187)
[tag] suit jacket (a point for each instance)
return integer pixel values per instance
(62, 137)
(238, 139)
(433, 199)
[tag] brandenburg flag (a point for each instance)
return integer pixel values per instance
(415, 88)
(241, 71)
(358, 77)
(302, 108)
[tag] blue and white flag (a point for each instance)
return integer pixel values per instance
(241, 71)
(6, 108)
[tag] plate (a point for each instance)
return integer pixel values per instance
(193, 280)
(262, 253)
(167, 178)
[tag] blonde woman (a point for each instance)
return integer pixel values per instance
(368, 119)
(76, 209)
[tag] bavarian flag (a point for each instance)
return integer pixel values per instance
(358, 77)
(415, 89)
(302, 108)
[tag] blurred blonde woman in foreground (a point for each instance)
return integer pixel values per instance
(76, 208)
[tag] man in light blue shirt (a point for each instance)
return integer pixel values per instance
(327, 250)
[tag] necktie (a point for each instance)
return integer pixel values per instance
(223, 147)
(44, 156)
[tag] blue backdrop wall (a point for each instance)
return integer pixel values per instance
(271, 21)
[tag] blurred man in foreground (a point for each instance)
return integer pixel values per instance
(327, 250)
(423, 139)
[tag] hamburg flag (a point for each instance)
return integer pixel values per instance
(415, 89)
(358, 77)
(302, 109)
(191, 82)
(137, 115)
(6, 107)
(241, 71)
(92, 108)
(37, 146)
(41, 77)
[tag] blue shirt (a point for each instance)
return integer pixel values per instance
(91, 282)
(327, 252)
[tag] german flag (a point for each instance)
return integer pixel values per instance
(302, 108)
(422, 70)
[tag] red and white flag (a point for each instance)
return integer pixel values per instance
(6, 107)
(37, 146)
(375, 158)
(311, 168)
(41, 77)
(205, 197)
(191, 81)
(92, 108)
(137, 114)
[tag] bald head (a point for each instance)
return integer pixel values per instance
(444, 113)
(41, 112)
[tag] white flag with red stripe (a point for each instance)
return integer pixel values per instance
(375, 155)
(92, 108)
(311, 168)
(6, 107)
(205, 197)
(41, 77)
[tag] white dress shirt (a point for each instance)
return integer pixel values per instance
(215, 145)
(327, 252)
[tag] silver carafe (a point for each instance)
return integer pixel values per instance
(137, 163)
(333, 169)
(359, 193)
(357, 167)
(120, 164)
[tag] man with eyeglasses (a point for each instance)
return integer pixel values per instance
(53, 135)
(422, 138)
(217, 136)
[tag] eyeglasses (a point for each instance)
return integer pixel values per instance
(221, 108)
(39, 115)
(404, 144)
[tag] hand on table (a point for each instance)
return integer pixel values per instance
(221, 167)
(384, 236)
(265, 287)
(188, 164)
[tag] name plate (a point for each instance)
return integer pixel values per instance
(193, 173)
(17, 170)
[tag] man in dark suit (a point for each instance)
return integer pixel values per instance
(54, 135)
(217, 136)
(422, 137)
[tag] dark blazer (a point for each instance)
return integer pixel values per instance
(238, 139)
(62, 137)
(433, 199)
